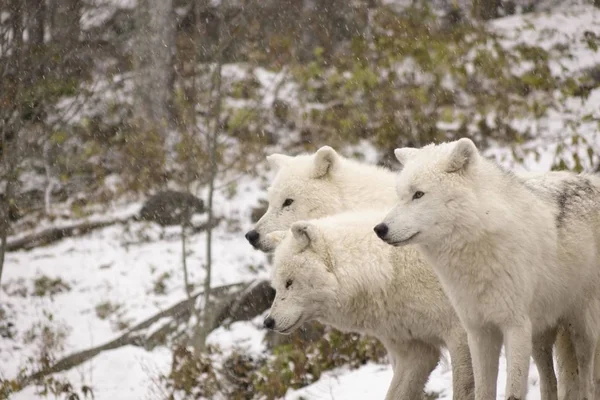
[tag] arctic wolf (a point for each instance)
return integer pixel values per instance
(516, 257)
(336, 271)
(325, 183)
(317, 185)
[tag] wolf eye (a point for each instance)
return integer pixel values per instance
(288, 283)
(288, 202)
(418, 194)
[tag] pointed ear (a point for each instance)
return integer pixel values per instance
(276, 237)
(325, 160)
(304, 233)
(278, 160)
(403, 154)
(463, 155)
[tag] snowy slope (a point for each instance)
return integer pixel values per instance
(120, 264)
(565, 27)
(372, 381)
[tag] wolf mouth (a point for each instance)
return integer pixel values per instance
(291, 328)
(265, 248)
(405, 241)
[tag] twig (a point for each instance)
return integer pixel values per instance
(186, 280)
(216, 114)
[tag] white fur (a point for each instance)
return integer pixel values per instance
(336, 271)
(321, 184)
(350, 185)
(325, 184)
(513, 259)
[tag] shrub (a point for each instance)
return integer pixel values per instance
(44, 286)
(292, 365)
(420, 80)
(299, 364)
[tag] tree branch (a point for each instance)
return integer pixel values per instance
(137, 335)
(55, 234)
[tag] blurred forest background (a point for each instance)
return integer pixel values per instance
(105, 103)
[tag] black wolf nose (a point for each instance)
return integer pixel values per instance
(269, 323)
(381, 230)
(252, 236)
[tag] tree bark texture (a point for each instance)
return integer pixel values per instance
(486, 9)
(66, 15)
(153, 59)
(36, 10)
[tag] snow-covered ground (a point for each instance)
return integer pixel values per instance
(372, 381)
(136, 268)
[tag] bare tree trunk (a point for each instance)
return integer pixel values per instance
(155, 45)
(65, 21)
(65, 29)
(485, 9)
(211, 190)
(6, 200)
(186, 279)
(16, 16)
(327, 24)
(10, 126)
(190, 129)
(36, 22)
(36, 16)
(308, 39)
(213, 125)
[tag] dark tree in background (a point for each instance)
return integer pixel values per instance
(36, 71)
(326, 24)
(486, 9)
(11, 71)
(153, 60)
(66, 15)
(36, 22)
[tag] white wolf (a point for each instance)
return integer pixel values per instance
(516, 257)
(317, 185)
(325, 183)
(336, 271)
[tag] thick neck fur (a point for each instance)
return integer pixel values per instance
(363, 184)
(500, 203)
(362, 286)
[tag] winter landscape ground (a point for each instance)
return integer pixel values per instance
(135, 268)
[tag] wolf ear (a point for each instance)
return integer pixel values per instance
(276, 237)
(278, 160)
(463, 155)
(403, 154)
(304, 233)
(325, 160)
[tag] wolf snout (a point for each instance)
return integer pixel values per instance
(269, 323)
(252, 236)
(381, 230)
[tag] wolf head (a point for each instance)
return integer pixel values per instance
(435, 191)
(305, 187)
(302, 277)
